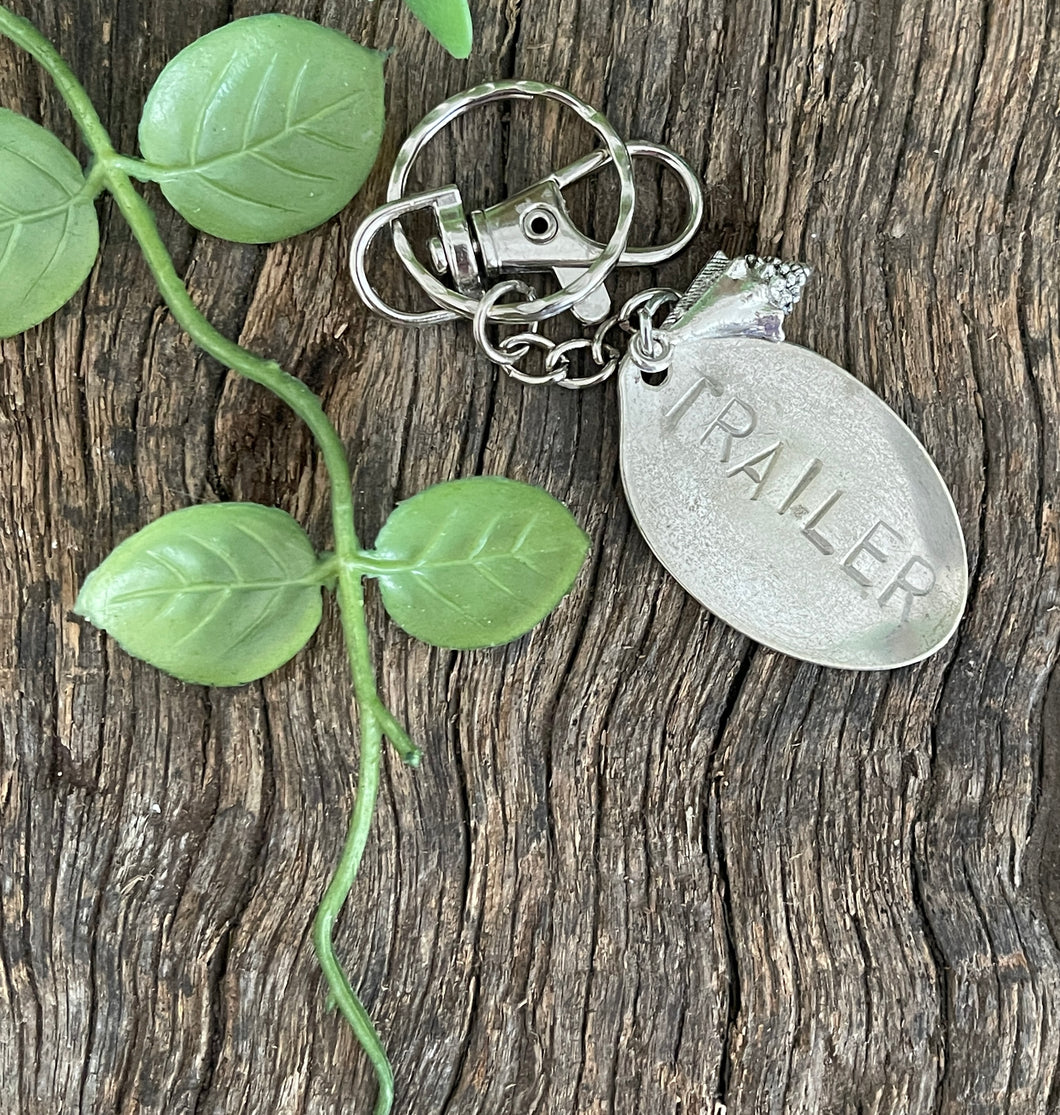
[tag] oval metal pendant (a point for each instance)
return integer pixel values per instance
(792, 502)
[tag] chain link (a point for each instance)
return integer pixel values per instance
(520, 344)
(635, 317)
(645, 302)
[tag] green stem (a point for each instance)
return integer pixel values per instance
(138, 168)
(341, 994)
(112, 170)
(369, 564)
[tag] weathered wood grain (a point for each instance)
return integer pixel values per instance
(646, 865)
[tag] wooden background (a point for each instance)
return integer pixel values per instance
(646, 865)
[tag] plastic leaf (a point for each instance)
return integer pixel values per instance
(49, 234)
(477, 562)
(265, 127)
(218, 594)
(449, 21)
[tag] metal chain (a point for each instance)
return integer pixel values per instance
(635, 317)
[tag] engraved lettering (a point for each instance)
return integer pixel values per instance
(915, 578)
(674, 415)
(868, 545)
(759, 476)
(879, 547)
(803, 482)
(737, 426)
(809, 529)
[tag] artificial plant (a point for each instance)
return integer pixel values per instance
(262, 129)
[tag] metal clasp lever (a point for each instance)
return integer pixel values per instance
(533, 230)
(530, 232)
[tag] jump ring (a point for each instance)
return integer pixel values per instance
(647, 330)
(650, 300)
(605, 372)
(561, 352)
(519, 344)
(481, 320)
(599, 346)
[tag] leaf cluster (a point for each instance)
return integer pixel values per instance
(260, 130)
(222, 594)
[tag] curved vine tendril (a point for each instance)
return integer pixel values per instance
(110, 171)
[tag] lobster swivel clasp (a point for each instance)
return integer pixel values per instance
(530, 232)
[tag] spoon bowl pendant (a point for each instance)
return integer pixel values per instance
(790, 500)
(780, 491)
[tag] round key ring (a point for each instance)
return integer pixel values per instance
(537, 309)
(647, 256)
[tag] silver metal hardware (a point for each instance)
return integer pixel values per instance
(557, 355)
(539, 225)
(533, 230)
(506, 357)
(530, 232)
(783, 494)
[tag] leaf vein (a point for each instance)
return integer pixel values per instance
(433, 590)
(26, 157)
(265, 546)
(170, 567)
(259, 100)
(200, 165)
(56, 251)
(528, 526)
(207, 104)
(328, 141)
(419, 565)
(224, 558)
(193, 589)
(21, 219)
(484, 536)
(494, 580)
(205, 621)
(9, 247)
(522, 560)
(296, 91)
(436, 537)
(244, 200)
(294, 172)
(249, 630)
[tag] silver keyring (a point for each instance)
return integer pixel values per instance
(537, 309)
(647, 257)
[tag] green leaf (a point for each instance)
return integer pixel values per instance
(218, 594)
(49, 235)
(477, 562)
(449, 21)
(265, 127)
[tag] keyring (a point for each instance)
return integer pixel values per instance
(484, 316)
(539, 309)
(645, 256)
(835, 536)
